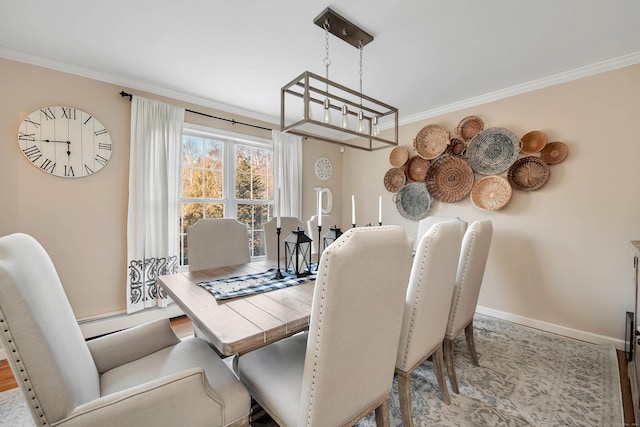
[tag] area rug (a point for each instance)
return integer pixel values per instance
(526, 377)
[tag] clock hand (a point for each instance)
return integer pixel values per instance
(52, 140)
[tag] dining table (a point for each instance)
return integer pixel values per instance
(244, 323)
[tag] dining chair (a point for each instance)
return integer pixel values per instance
(342, 368)
(217, 242)
(426, 223)
(287, 225)
(473, 260)
(426, 309)
(142, 376)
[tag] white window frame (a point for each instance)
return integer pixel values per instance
(230, 140)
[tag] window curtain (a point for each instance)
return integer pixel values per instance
(154, 187)
(287, 150)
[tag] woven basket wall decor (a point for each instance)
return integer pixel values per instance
(492, 151)
(469, 127)
(533, 142)
(456, 146)
(394, 179)
(528, 173)
(431, 141)
(413, 201)
(554, 152)
(491, 193)
(417, 168)
(399, 156)
(449, 178)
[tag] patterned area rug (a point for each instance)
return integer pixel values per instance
(526, 377)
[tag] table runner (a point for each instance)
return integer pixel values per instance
(249, 284)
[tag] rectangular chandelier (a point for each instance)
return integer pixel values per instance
(316, 107)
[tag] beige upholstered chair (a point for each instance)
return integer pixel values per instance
(426, 309)
(287, 225)
(425, 224)
(312, 230)
(473, 259)
(144, 376)
(342, 369)
(217, 242)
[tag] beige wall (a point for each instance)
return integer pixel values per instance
(560, 254)
(82, 222)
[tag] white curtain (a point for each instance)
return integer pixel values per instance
(287, 150)
(154, 183)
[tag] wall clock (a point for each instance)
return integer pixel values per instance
(64, 141)
(323, 168)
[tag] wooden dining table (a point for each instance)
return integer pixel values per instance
(239, 325)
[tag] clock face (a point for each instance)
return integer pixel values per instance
(323, 168)
(64, 141)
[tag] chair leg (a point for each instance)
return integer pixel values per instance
(382, 414)
(438, 366)
(468, 334)
(451, 370)
(404, 393)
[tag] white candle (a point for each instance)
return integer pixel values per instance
(353, 209)
(319, 208)
(380, 209)
(278, 223)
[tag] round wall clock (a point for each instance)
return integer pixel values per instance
(323, 168)
(64, 141)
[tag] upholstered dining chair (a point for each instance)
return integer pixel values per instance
(143, 376)
(342, 368)
(473, 260)
(287, 225)
(426, 309)
(426, 223)
(217, 242)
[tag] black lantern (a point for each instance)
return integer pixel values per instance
(297, 253)
(330, 236)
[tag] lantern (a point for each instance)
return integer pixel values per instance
(297, 253)
(330, 236)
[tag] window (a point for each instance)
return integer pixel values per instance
(226, 175)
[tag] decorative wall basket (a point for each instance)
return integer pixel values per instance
(413, 201)
(394, 179)
(456, 146)
(417, 168)
(469, 127)
(399, 156)
(533, 142)
(554, 153)
(449, 178)
(431, 141)
(491, 193)
(493, 151)
(528, 173)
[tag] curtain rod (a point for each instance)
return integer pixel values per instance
(232, 121)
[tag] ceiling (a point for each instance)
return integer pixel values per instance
(426, 56)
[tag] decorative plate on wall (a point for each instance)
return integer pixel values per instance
(323, 168)
(493, 150)
(413, 201)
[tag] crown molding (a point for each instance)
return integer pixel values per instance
(578, 73)
(575, 74)
(94, 74)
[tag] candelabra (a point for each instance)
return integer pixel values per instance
(319, 251)
(278, 275)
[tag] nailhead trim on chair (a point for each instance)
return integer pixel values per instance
(23, 376)
(454, 306)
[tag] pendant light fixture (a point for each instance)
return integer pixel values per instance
(310, 91)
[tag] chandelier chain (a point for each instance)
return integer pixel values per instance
(360, 46)
(327, 59)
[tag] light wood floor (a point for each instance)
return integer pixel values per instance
(182, 327)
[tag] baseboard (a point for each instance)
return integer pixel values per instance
(553, 328)
(105, 325)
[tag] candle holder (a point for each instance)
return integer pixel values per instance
(319, 238)
(380, 224)
(353, 225)
(278, 275)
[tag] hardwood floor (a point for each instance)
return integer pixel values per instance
(182, 327)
